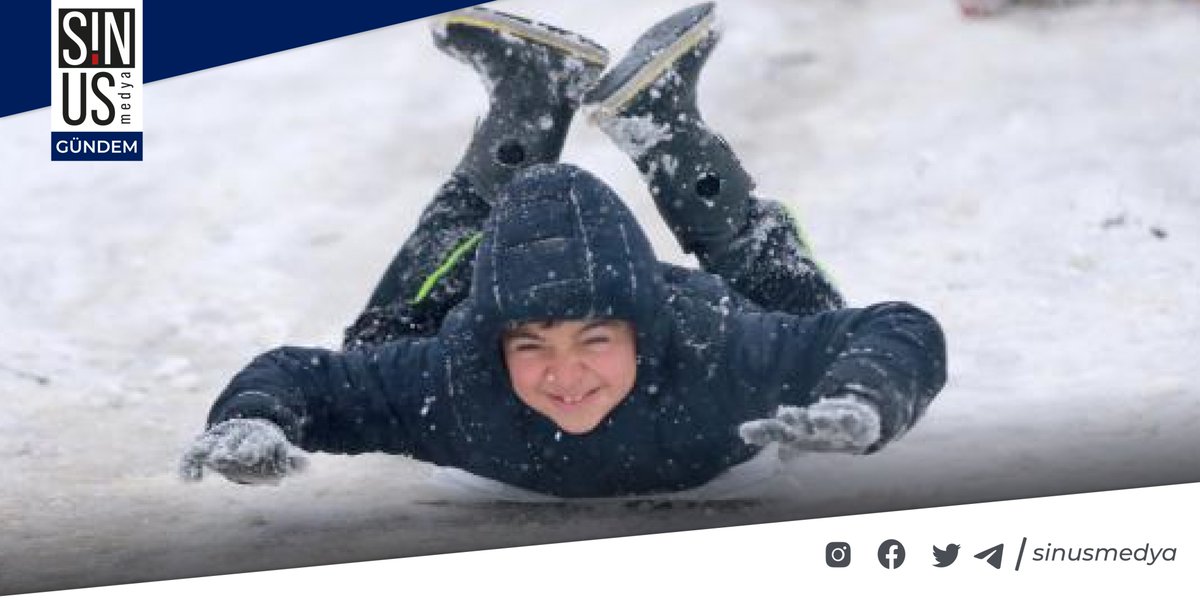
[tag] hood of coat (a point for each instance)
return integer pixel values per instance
(561, 244)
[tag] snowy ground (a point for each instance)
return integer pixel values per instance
(1030, 179)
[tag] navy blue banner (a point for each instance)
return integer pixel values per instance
(92, 146)
(182, 37)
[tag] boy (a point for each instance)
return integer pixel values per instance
(550, 350)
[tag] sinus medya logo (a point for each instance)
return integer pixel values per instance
(96, 80)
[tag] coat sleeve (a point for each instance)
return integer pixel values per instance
(389, 398)
(892, 355)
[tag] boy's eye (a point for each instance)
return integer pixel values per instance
(524, 346)
(596, 340)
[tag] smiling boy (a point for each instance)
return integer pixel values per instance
(550, 349)
(572, 372)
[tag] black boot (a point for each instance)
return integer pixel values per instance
(647, 105)
(535, 75)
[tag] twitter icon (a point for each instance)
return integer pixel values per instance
(945, 557)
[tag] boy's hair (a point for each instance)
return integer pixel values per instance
(548, 322)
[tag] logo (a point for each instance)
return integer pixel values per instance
(837, 554)
(96, 80)
(945, 558)
(994, 555)
(891, 554)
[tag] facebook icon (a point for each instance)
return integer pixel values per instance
(891, 554)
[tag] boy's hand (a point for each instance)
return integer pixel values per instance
(244, 451)
(842, 424)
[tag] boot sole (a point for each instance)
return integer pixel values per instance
(527, 29)
(640, 77)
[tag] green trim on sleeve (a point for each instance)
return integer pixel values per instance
(463, 247)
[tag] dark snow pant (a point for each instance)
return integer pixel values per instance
(430, 274)
(767, 262)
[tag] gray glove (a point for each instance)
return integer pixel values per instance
(842, 424)
(244, 451)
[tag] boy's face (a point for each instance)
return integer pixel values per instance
(572, 372)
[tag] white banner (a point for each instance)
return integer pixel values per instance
(1132, 541)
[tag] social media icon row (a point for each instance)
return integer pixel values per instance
(891, 555)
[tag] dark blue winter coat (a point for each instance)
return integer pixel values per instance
(561, 244)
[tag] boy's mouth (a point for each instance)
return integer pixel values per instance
(570, 400)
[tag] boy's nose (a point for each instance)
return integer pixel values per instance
(565, 374)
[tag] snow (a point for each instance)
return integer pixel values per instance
(636, 135)
(578, 76)
(1007, 174)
